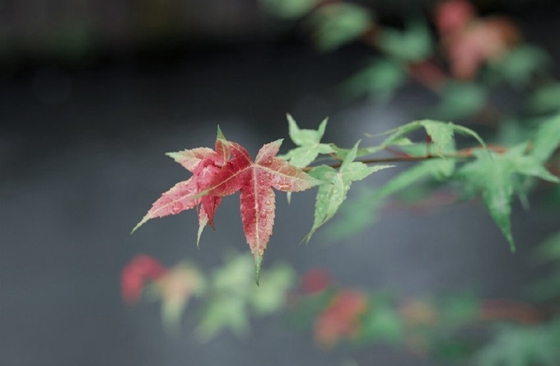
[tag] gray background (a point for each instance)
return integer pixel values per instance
(81, 160)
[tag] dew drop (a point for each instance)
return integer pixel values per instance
(176, 207)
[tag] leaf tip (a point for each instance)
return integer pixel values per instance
(258, 261)
(220, 134)
(142, 222)
(511, 244)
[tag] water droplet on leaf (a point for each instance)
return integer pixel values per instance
(176, 207)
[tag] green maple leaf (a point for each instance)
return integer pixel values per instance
(441, 133)
(496, 177)
(309, 144)
(363, 209)
(336, 184)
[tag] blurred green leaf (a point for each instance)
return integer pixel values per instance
(309, 144)
(379, 80)
(271, 297)
(549, 250)
(176, 288)
(412, 44)
(547, 288)
(340, 23)
(355, 215)
(382, 322)
(289, 8)
(521, 64)
(223, 312)
(308, 307)
(459, 309)
(460, 100)
(546, 99)
(232, 293)
(451, 347)
(511, 132)
(523, 346)
(333, 191)
(547, 139)
(494, 176)
(235, 276)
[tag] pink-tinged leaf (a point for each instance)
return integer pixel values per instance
(341, 319)
(255, 181)
(205, 164)
(176, 288)
(257, 213)
(139, 270)
(232, 176)
(202, 222)
(190, 159)
(179, 198)
(283, 175)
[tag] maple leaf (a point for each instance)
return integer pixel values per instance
(204, 163)
(309, 143)
(336, 186)
(255, 180)
(496, 175)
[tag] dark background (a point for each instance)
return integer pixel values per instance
(93, 93)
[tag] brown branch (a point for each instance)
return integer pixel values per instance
(461, 154)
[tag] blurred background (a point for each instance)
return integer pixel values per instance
(93, 93)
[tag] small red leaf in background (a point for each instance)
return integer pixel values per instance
(315, 280)
(341, 319)
(483, 41)
(453, 15)
(470, 41)
(137, 272)
(255, 181)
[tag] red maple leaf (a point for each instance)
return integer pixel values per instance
(204, 163)
(255, 180)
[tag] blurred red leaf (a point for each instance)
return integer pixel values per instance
(140, 269)
(341, 318)
(481, 41)
(453, 15)
(315, 280)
